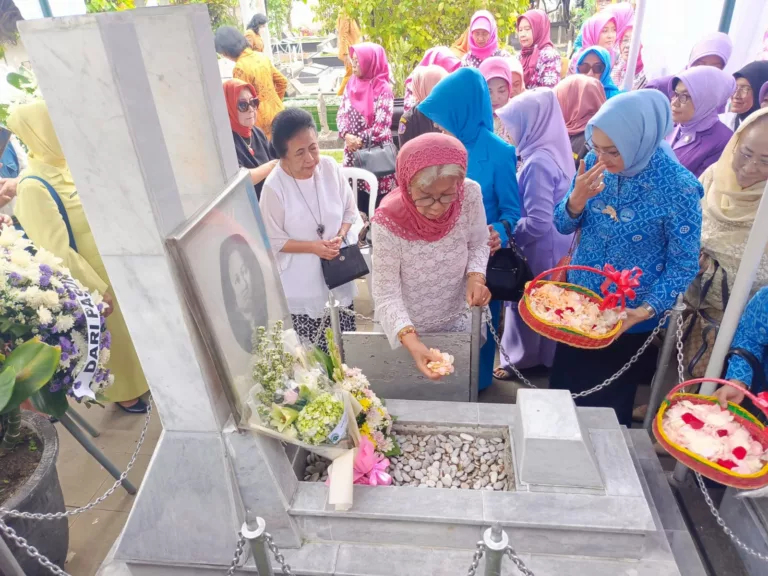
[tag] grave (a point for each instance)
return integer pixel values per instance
(136, 100)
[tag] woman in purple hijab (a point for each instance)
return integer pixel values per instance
(535, 123)
(713, 50)
(699, 137)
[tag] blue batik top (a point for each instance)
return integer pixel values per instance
(658, 230)
(751, 335)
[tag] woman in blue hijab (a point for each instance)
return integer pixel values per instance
(634, 205)
(460, 104)
(595, 61)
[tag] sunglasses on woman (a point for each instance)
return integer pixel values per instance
(243, 105)
(597, 67)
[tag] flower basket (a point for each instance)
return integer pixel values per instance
(706, 467)
(625, 282)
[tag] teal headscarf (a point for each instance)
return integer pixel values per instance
(605, 79)
(637, 122)
(461, 104)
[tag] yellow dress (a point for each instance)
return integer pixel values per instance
(349, 34)
(254, 40)
(38, 214)
(258, 70)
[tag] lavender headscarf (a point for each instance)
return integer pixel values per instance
(715, 44)
(535, 122)
(710, 89)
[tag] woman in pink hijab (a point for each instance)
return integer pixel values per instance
(431, 247)
(413, 123)
(599, 30)
(439, 56)
(365, 114)
(483, 40)
(625, 23)
(503, 84)
(539, 57)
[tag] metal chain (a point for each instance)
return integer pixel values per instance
(476, 559)
(239, 547)
(321, 329)
(680, 356)
(599, 387)
(107, 494)
(522, 568)
(286, 568)
(30, 550)
(721, 522)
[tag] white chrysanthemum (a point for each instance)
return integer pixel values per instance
(97, 298)
(64, 323)
(49, 258)
(104, 356)
(79, 340)
(21, 258)
(50, 298)
(10, 236)
(31, 295)
(44, 315)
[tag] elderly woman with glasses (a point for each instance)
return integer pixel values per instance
(632, 204)
(431, 247)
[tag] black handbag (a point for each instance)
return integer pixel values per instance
(349, 265)
(378, 159)
(508, 271)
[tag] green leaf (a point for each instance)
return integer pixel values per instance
(440, 6)
(52, 403)
(34, 363)
(7, 382)
(18, 81)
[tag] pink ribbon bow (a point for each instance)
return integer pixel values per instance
(370, 468)
(626, 281)
(762, 399)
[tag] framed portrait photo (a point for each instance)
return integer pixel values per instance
(230, 282)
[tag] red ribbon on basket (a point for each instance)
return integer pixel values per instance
(762, 399)
(626, 281)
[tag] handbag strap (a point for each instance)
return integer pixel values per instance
(508, 228)
(758, 372)
(59, 205)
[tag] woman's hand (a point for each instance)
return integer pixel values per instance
(5, 220)
(421, 355)
(704, 261)
(634, 316)
(109, 301)
(588, 185)
(353, 142)
(477, 292)
(326, 249)
(730, 394)
(494, 241)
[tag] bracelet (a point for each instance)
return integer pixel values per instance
(479, 275)
(404, 332)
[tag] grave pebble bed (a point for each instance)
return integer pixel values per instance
(440, 460)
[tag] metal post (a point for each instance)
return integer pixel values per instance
(474, 352)
(742, 286)
(82, 422)
(726, 15)
(8, 564)
(333, 308)
(634, 47)
(496, 542)
(46, 9)
(259, 549)
(670, 343)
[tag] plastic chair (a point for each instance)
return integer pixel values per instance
(355, 175)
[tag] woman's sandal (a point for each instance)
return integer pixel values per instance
(139, 408)
(503, 374)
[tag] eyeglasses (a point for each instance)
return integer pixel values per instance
(743, 91)
(429, 201)
(597, 68)
(243, 105)
(749, 159)
(600, 152)
(682, 99)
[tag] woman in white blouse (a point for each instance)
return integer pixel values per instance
(431, 247)
(308, 209)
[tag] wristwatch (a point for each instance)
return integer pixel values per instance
(648, 308)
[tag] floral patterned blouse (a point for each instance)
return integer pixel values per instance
(548, 68)
(751, 335)
(472, 61)
(501, 131)
(350, 121)
(619, 72)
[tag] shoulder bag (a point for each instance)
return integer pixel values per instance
(59, 205)
(349, 265)
(507, 271)
(378, 159)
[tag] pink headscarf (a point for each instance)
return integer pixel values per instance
(540, 29)
(624, 17)
(397, 212)
(424, 78)
(592, 28)
(374, 81)
(441, 56)
(497, 67)
(483, 20)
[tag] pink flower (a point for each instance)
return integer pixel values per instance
(290, 397)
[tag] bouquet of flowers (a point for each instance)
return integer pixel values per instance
(39, 299)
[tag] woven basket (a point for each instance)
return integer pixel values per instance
(556, 332)
(705, 467)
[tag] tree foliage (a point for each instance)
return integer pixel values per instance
(279, 16)
(9, 15)
(407, 28)
(108, 5)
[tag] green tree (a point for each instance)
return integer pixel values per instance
(279, 15)
(108, 5)
(407, 28)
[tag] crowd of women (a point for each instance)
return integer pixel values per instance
(543, 153)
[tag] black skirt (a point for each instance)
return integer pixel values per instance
(577, 370)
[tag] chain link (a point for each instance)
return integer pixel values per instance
(721, 522)
(607, 382)
(107, 494)
(286, 568)
(239, 547)
(30, 550)
(476, 559)
(680, 356)
(522, 568)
